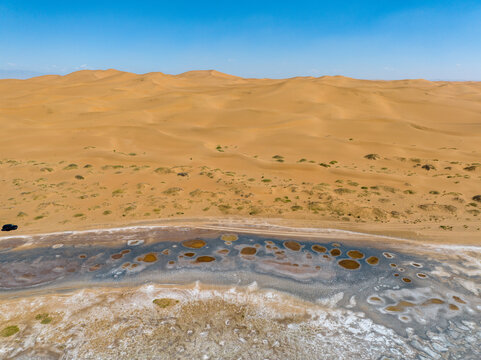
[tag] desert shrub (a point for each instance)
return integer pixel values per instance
(372, 157)
(71, 167)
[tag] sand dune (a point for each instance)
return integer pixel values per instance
(106, 147)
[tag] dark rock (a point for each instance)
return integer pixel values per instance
(477, 198)
(372, 156)
(428, 167)
(182, 174)
(9, 227)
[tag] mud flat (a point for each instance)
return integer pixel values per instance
(238, 292)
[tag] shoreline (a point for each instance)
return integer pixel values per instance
(276, 226)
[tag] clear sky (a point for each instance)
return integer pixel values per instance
(384, 39)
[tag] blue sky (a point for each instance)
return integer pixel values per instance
(388, 39)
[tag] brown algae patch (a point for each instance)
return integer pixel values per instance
(421, 275)
(229, 237)
(165, 302)
(453, 307)
(433, 301)
(292, 245)
(148, 258)
(372, 260)
(116, 256)
(9, 331)
(406, 280)
(194, 244)
(335, 252)
(458, 299)
(248, 251)
(400, 306)
(355, 254)
(189, 254)
(95, 267)
(349, 264)
(388, 255)
(223, 251)
(318, 248)
(204, 259)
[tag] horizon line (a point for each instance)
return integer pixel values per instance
(215, 72)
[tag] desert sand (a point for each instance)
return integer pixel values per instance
(94, 149)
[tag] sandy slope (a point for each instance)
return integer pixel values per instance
(105, 147)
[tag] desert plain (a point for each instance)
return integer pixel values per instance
(97, 149)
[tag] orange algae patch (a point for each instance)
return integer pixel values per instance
(223, 251)
(394, 308)
(248, 251)
(318, 248)
(292, 245)
(400, 306)
(95, 267)
(375, 298)
(388, 255)
(189, 254)
(421, 275)
(335, 252)
(133, 266)
(126, 265)
(204, 259)
(126, 251)
(229, 237)
(349, 264)
(453, 307)
(406, 280)
(392, 265)
(372, 260)
(458, 299)
(149, 258)
(82, 256)
(116, 256)
(355, 254)
(171, 262)
(166, 252)
(194, 244)
(433, 301)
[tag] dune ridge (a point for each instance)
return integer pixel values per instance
(107, 146)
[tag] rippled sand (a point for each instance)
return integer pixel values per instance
(200, 292)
